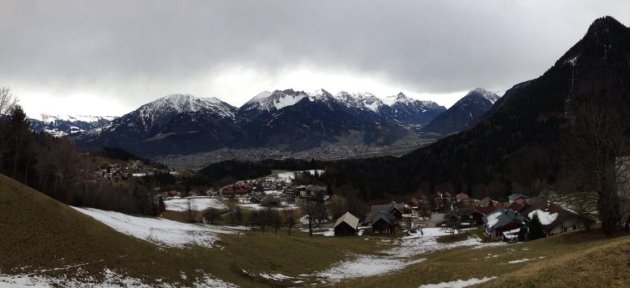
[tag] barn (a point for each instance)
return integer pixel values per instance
(346, 225)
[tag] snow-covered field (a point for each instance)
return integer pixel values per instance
(197, 203)
(404, 253)
(111, 279)
(365, 266)
(156, 230)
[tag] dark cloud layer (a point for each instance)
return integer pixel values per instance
(135, 51)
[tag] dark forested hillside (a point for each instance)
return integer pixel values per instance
(524, 144)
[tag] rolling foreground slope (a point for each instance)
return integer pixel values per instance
(54, 243)
(45, 243)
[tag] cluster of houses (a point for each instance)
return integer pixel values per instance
(383, 219)
(508, 221)
(133, 168)
(271, 191)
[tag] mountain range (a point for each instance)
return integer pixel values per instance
(285, 119)
(63, 125)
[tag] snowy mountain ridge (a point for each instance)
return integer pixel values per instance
(184, 103)
(279, 99)
(72, 118)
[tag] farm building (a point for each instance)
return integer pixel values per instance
(557, 219)
(346, 225)
(383, 223)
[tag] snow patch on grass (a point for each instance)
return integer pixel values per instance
(365, 266)
(519, 261)
(110, 279)
(404, 253)
(198, 203)
(458, 283)
(277, 276)
(156, 230)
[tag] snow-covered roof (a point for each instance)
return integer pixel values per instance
(545, 217)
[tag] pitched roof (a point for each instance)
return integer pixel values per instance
(385, 216)
(515, 196)
(550, 214)
(501, 217)
(349, 219)
(376, 209)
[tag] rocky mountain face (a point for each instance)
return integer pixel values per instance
(464, 114)
(292, 120)
(170, 125)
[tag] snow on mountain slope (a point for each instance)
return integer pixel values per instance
(486, 95)
(181, 103)
(275, 100)
(359, 100)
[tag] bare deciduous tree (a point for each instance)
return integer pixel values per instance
(599, 140)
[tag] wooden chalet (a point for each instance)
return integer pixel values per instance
(383, 223)
(346, 225)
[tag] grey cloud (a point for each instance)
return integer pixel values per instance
(430, 46)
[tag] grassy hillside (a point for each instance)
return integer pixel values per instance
(581, 259)
(41, 236)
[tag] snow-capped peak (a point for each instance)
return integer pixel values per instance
(398, 98)
(277, 99)
(181, 103)
(361, 101)
(485, 94)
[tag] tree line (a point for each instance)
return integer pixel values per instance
(57, 168)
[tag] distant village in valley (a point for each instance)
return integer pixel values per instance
(298, 199)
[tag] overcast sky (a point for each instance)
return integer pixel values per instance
(109, 57)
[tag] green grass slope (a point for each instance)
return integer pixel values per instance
(40, 236)
(580, 259)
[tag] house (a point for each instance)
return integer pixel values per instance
(480, 211)
(463, 209)
(383, 223)
(557, 219)
(346, 225)
(393, 208)
(461, 196)
(501, 220)
(519, 205)
(516, 197)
